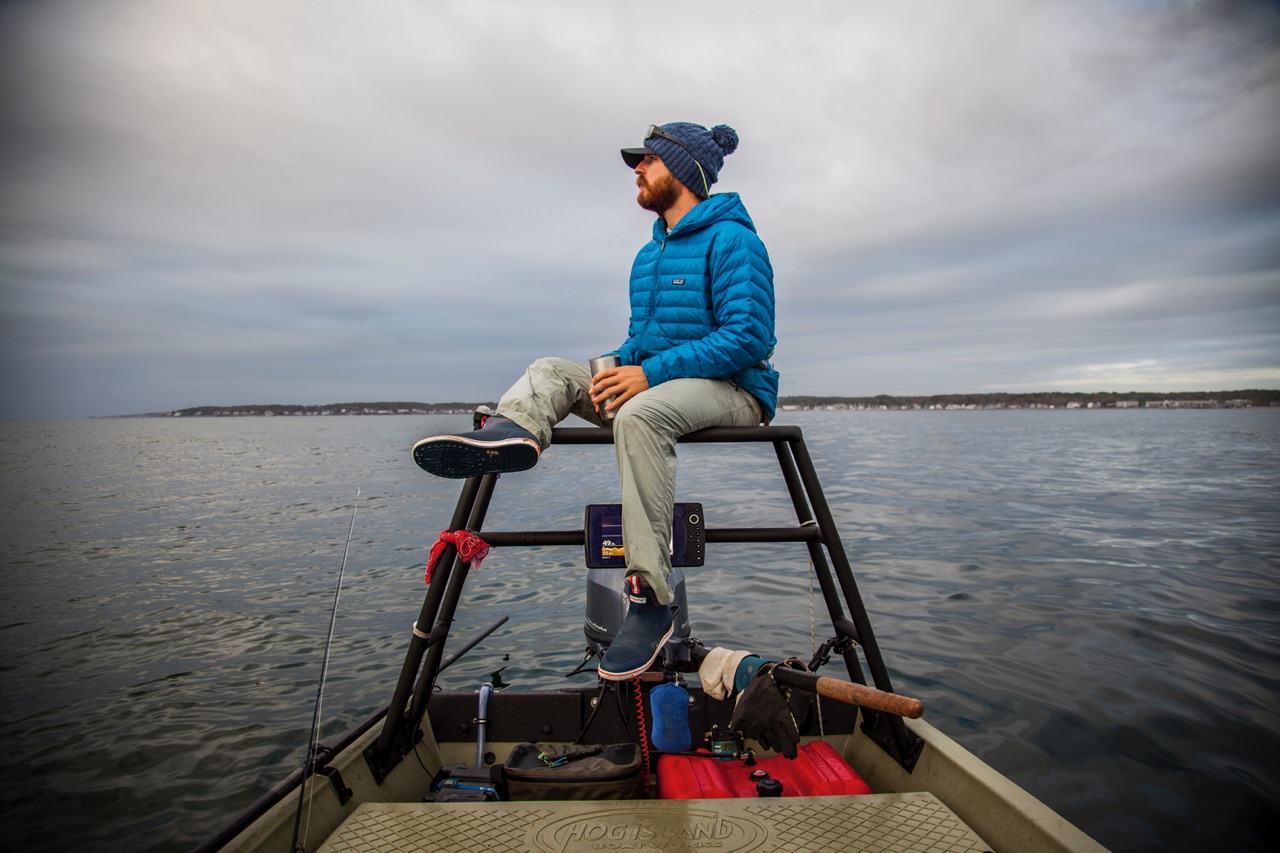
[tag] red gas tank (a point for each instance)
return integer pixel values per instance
(817, 771)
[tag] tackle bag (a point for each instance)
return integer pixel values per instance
(536, 771)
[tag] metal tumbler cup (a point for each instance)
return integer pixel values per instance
(596, 365)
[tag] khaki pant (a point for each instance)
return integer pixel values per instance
(644, 436)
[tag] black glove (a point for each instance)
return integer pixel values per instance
(767, 712)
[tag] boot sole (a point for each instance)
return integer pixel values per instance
(457, 458)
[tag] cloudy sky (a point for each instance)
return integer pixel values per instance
(256, 201)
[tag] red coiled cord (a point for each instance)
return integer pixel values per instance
(644, 733)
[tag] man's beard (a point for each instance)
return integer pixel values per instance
(658, 196)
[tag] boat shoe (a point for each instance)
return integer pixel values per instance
(645, 628)
(501, 446)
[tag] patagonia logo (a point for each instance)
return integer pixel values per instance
(677, 281)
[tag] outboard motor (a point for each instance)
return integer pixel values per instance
(606, 573)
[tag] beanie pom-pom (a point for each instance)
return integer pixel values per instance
(726, 137)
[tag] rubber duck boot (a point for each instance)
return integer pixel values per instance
(645, 628)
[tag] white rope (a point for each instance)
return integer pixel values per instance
(813, 649)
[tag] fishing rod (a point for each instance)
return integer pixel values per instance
(324, 670)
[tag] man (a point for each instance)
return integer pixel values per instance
(696, 355)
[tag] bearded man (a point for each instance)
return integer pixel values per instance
(696, 355)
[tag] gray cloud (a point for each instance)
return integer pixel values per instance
(241, 202)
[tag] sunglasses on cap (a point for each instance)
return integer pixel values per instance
(654, 130)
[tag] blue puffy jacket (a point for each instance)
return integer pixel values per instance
(702, 302)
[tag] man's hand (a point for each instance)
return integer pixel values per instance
(623, 383)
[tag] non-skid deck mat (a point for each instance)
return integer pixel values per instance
(894, 823)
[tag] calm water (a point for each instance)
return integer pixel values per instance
(1088, 600)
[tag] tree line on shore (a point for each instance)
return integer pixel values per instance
(1042, 399)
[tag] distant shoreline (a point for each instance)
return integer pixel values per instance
(1252, 398)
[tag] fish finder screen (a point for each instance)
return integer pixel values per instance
(606, 550)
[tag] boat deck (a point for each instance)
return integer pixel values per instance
(893, 823)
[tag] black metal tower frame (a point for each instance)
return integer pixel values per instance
(816, 529)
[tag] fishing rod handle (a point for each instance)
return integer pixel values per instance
(850, 693)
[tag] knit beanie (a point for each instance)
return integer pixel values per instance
(698, 147)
